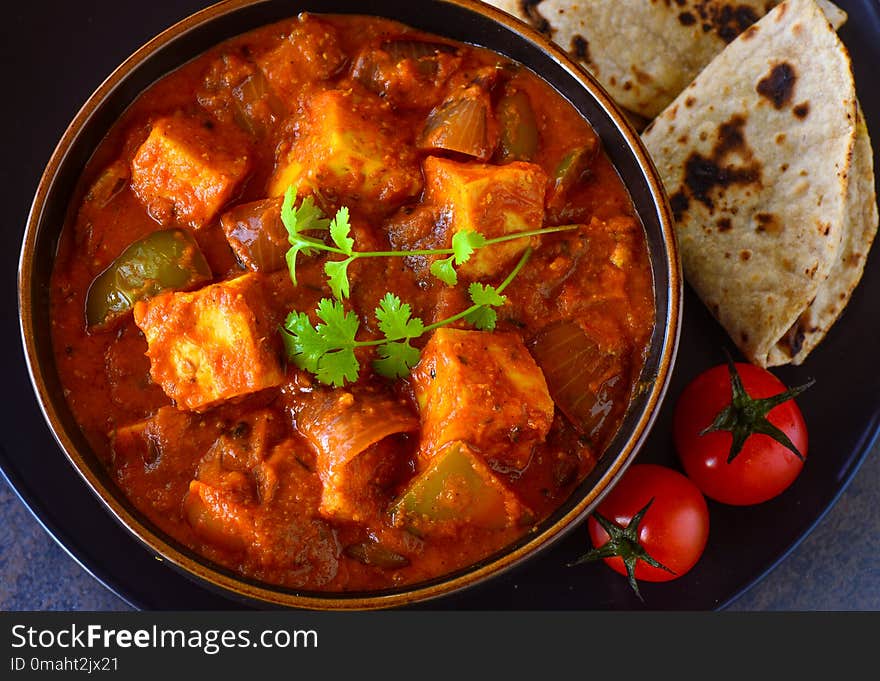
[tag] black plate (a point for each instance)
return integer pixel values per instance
(56, 60)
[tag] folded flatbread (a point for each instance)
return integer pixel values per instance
(768, 167)
(645, 52)
(860, 228)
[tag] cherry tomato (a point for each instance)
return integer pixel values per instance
(764, 467)
(673, 531)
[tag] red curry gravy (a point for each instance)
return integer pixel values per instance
(251, 461)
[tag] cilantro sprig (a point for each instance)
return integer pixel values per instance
(327, 349)
(302, 222)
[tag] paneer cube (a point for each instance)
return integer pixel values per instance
(210, 345)
(483, 389)
(349, 151)
(458, 488)
(189, 168)
(491, 200)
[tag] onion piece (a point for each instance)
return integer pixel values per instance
(409, 74)
(462, 123)
(342, 424)
(257, 235)
(257, 107)
(110, 182)
(586, 378)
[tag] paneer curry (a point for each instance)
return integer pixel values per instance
(346, 306)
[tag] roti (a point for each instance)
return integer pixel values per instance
(860, 229)
(770, 178)
(645, 53)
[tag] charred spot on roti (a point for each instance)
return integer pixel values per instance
(581, 48)
(780, 14)
(750, 32)
(687, 19)
(724, 224)
(767, 222)
(731, 138)
(802, 110)
(733, 20)
(727, 20)
(783, 167)
(780, 138)
(704, 174)
(745, 256)
(690, 101)
(642, 77)
(778, 85)
(529, 8)
(683, 139)
(679, 202)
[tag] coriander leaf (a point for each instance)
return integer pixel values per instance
(310, 217)
(339, 327)
(337, 367)
(486, 295)
(464, 244)
(297, 220)
(288, 213)
(302, 342)
(395, 319)
(337, 277)
(444, 271)
(291, 261)
(306, 218)
(397, 358)
(483, 317)
(340, 231)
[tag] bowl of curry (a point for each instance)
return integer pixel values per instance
(339, 311)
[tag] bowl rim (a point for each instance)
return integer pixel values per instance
(250, 591)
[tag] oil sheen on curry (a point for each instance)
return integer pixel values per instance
(413, 386)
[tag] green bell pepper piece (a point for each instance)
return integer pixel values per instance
(165, 260)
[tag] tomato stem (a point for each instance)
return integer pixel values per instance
(623, 542)
(745, 415)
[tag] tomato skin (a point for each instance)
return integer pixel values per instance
(675, 529)
(764, 468)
